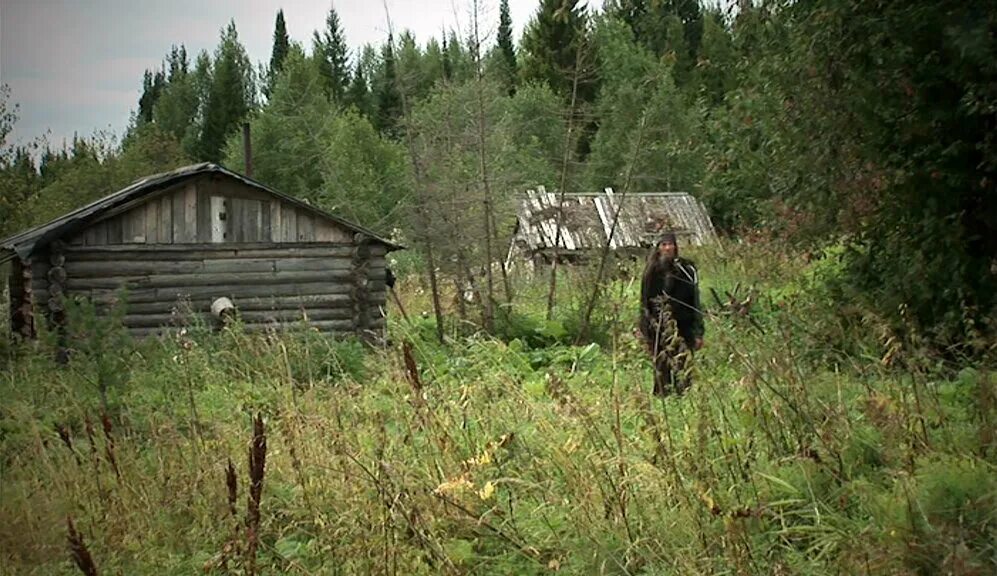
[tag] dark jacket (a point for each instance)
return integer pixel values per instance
(678, 289)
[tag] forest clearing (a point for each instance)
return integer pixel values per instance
(521, 453)
(379, 309)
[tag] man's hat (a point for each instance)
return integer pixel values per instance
(667, 237)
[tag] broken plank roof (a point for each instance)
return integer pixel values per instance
(588, 219)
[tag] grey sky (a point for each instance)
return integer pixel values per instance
(75, 66)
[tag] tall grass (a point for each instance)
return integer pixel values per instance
(809, 444)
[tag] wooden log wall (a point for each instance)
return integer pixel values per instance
(270, 284)
(359, 279)
(217, 210)
(22, 319)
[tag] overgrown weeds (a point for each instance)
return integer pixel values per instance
(517, 455)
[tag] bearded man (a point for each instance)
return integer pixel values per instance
(671, 321)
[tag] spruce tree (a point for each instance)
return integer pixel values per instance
(229, 97)
(555, 49)
(281, 44)
(332, 57)
(447, 64)
(389, 102)
(358, 95)
(177, 107)
(153, 84)
(507, 53)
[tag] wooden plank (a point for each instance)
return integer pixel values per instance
(100, 233)
(115, 234)
(276, 230)
(289, 223)
(327, 231)
(204, 206)
(251, 220)
(90, 235)
(190, 213)
(306, 227)
(152, 222)
(236, 210)
(176, 211)
(134, 226)
(165, 219)
(265, 233)
(204, 279)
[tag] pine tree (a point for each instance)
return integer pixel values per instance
(229, 98)
(281, 44)
(389, 102)
(507, 53)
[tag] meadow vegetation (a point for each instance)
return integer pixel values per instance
(815, 440)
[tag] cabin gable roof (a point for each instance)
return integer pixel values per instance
(25, 243)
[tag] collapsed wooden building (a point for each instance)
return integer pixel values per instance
(195, 239)
(587, 224)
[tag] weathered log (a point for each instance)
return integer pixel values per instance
(57, 275)
(101, 269)
(56, 305)
(236, 292)
(104, 268)
(245, 304)
(183, 281)
(216, 251)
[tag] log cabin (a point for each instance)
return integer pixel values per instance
(205, 241)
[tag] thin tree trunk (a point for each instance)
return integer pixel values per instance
(417, 174)
(489, 319)
(604, 257)
(552, 290)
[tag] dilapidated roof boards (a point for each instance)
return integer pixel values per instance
(587, 222)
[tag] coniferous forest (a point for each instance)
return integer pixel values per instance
(844, 416)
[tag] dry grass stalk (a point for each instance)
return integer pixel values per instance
(67, 439)
(257, 465)
(94, 455)
(105, 421)
(78, 550)
(411, 370)
(232, 486)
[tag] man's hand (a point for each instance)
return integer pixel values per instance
(698, 343)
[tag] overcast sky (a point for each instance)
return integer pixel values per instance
(75, 66)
